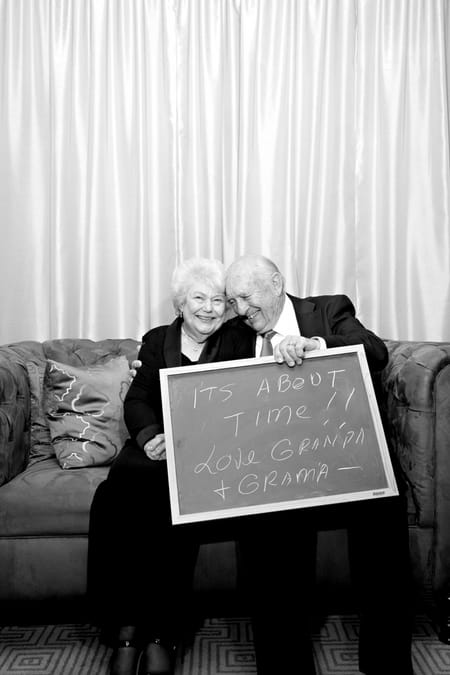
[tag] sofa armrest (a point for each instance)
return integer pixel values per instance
(14, 419)
(415, 401)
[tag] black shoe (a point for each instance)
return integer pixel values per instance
(158, 658)
(125, 658)
(127, 650)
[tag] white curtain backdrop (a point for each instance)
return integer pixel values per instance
(136, 134)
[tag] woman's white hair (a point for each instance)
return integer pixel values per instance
(206, 270)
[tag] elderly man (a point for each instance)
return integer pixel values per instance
(255, 291)
(280, 566)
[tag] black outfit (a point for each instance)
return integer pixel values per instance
(141, 567)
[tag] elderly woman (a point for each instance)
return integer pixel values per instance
(140, 566)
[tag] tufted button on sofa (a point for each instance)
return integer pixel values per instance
(44, 509)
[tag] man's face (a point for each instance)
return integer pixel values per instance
(257, 299)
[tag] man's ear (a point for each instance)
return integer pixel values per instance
(277, 283)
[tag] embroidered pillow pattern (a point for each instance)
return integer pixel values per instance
(84, 409)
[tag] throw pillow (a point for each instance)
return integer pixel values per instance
(84, 408)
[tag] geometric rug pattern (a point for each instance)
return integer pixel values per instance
(221, 647)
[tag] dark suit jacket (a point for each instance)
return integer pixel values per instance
(333, 318)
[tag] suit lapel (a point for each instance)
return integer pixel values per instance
(172, 344)
(211, 348)
(309, 317)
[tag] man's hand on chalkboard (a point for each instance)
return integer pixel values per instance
(155, 448)
(292, 348)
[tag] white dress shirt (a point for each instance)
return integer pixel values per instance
(286, 325)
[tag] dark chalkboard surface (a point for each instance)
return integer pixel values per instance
(252, 436)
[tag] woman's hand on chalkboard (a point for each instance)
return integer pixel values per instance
(155, 448)
(291, 350)
(135, 365)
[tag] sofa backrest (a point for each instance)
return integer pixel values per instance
(15, 397)
(85, 352)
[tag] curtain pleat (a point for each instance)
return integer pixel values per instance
(136, 134)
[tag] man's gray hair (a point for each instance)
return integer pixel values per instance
(261, 266)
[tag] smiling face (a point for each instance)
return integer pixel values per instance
(255, 294)
(203, 309)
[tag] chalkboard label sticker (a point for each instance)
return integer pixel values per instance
(253, 436)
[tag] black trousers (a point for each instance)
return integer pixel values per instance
(141, 568)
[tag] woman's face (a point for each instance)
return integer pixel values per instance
(203, 309)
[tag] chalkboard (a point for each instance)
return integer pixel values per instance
(252, 435)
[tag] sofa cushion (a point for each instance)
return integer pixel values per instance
(46, 500)
(84, 407)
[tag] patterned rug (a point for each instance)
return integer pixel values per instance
(221, 647)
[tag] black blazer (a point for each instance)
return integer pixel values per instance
(161, 348)
(333, 318)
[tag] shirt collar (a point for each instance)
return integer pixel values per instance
(287, 323)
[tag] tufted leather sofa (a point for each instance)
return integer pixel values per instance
(44, 510)
(415, 402)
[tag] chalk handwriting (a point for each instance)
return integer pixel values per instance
(208, 391)
(252, 482)
(214, 465)
(286, 381)
(283, 449)
(347, 403)
(221, 491)
(283, 435)
(284, 415)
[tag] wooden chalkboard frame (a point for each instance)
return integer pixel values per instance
(170, 375)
